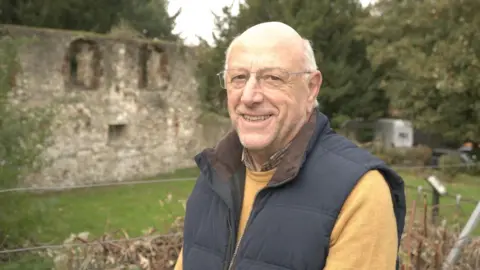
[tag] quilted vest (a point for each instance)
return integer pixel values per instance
(292, 218)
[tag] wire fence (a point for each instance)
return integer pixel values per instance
(95, 185)
(166, 180)
(83, 243)
(146, 252)
(458, 197)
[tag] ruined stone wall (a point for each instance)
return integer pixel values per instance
(127, 109)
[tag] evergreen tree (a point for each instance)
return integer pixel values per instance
(429, 52)
(145, 16)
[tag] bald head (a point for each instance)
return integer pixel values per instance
(276, 35)
(273, 33)
(271, 36)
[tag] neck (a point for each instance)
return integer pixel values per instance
(260, 157)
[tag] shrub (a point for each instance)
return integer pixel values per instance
(419, 155)
(23, 134)
(414, 156)
(450, 166)
(425, 246)
(152, 251)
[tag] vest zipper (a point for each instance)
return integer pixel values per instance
(235, 253)
(230, 267)
(231, 238)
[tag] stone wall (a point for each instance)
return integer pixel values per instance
(127, 109)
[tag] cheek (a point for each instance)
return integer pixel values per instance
(291, 106)
(284, 100)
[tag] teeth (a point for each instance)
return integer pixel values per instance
(256, 118)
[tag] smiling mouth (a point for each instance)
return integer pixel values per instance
(256, 118)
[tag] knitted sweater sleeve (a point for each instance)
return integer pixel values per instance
(365, 234)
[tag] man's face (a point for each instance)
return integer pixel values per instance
(267, 104)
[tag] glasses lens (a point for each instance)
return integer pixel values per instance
(221, 79)
(273, 78)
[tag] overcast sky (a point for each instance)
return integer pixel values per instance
(196, 18)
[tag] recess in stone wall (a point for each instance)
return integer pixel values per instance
(153, 67)
(116, 132)
(83, 64)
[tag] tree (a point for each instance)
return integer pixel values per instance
(149, 16)
(429, 53)
(351, 86)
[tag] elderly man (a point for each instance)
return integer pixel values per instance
(282, 190)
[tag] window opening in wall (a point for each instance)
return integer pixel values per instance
(143, 66)
(83, 64)
(153, 66)
(116, 132)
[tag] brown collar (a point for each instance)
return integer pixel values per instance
(270, 164)
(226, 157)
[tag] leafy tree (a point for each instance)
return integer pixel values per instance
(351, 86)
(149, 16)
(429, 53)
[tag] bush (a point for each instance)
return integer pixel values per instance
(152, 251)
(23, 134)
(415, 156)
(450, 166)
(419, 155)
(425, 246)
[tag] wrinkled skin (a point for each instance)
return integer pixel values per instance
(280, 112)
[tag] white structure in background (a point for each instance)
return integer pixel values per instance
(394, 132)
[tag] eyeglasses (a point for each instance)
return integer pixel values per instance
(268, 78)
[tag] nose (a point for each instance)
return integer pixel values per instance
(251, 94)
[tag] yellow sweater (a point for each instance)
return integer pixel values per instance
(364, 236)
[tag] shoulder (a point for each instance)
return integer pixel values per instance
(335, 148)
(371, 193)
(372, 181)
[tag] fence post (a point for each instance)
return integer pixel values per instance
(457, 201)
(419, 193)
(463, 238)
(438, 189)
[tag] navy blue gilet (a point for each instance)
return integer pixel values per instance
(292, 218)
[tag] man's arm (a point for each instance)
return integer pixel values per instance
(365, 234)
(179, 264)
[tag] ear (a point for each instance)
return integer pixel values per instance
(314, 86)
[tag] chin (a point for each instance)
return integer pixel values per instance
(255, 141)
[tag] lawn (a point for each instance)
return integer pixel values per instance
(135, 208)
(467, 186)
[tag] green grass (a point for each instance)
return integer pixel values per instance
(28, 262)
(465, 185)
(135, 208)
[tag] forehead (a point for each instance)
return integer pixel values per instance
(256, 55)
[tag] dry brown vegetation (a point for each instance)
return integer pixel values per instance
(151, 252)
(423, 247)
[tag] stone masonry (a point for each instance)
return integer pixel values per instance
(127, 109)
